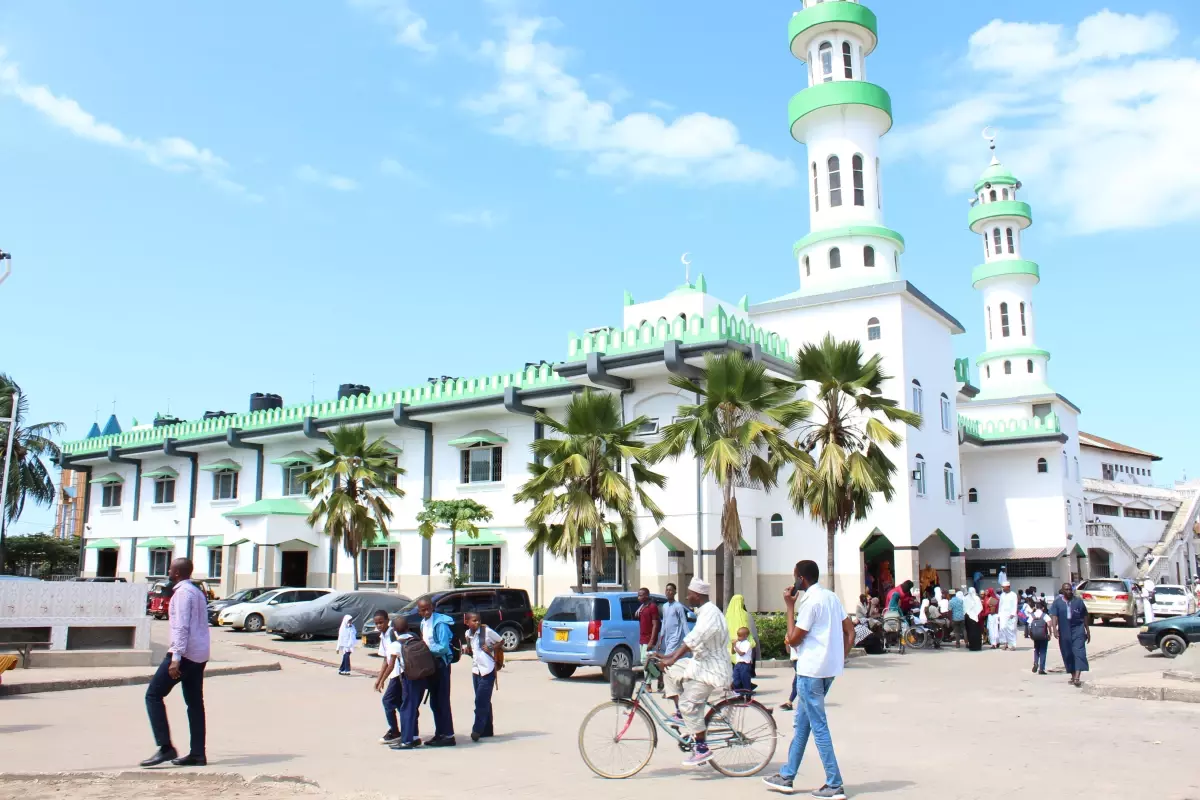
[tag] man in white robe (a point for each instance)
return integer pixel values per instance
(1008, 617)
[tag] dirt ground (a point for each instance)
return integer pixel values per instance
(149, 786)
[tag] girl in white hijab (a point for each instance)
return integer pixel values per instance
(347, 639)
(972, 608)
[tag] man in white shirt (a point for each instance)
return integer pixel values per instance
(822, 635)
(383, 683)
(1147, 600)
(482, 643)
(709, 670)
(1008, 616)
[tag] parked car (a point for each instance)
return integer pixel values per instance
(99, 580)
(506, 611)
(592, 630)
(256, 614)
(244, 596)
(322, 617)
(1172, 636)
(1173, 600)
(1109, 598)
(158, 601)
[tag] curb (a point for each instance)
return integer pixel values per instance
(126, 680)
(1162, 693)
(211, 778)
(320, 662)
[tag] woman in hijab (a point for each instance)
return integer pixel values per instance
(347, 639)
(736, 617)
(973, 608)
(991, 606)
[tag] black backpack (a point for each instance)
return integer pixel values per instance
(1039, 628)
(418, 660)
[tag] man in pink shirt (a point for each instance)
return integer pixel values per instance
(184, 664)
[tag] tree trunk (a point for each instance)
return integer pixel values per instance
(731, 535)
(830, 532)
(579, 568)
(354, 563)
(597, 560)
(453, 557)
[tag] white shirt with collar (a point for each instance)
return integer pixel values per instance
(482, 663)
(395, 649)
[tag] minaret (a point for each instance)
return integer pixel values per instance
(840, 117)
(1011, 364)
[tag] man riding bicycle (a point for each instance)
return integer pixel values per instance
(708, 671)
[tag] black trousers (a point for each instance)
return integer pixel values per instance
(191, 675)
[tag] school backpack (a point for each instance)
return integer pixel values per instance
(1039, 629)
(455, 649)
(418, 660)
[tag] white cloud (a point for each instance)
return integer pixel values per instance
(171, 153)
(537, 101)
(394, 169)
(482, 219)
(310, 174)
(1097, 122)
(408, 26)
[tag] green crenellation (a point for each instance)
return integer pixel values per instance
(1010, 428)
(718, 326)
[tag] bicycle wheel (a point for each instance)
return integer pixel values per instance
(617, 739)
(741, 736)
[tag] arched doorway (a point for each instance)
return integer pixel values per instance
(879, 564)
(934, 556)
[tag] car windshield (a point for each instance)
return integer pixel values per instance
(267, 597)
(1169, 590)
(573, 609)
(412, 604)
(1104, 586)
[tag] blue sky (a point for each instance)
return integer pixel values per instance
(201, 206)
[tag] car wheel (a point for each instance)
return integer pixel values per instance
(511, 637)
(253, 623)
(619, 658)
(562, 671)
(1131, 622)
(1172, 645)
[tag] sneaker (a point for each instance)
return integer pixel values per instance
(698, 757)
(1041, 672)
(778, 783)
(830, 793)
(389, 737)
(786, 707)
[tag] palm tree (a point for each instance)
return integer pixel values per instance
(28, 478)
(351, 484)
(460, 516)
(844, 438)
(577, 483)
(737, 428)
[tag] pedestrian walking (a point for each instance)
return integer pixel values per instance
(410, 663)
(1038, 630)
(674, 626)
(486, 648)
(791, 701)
(346, 641)
(822, 635)
(991, 608)
(393, 691)
(648, 624)
(184, 663)
(1007, 624)
(1069, 619)
(1148, 588)
(743, 651)
(438, 637)
(973, 610)
(958, 617)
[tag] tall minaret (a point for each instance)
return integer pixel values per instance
(1011, 364)
(840, 117)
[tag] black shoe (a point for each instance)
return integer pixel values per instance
(1041, 672)
(163, 755)
(190, 761)
(398, 745)
(389, 737)
(476, 736)
(443, 741)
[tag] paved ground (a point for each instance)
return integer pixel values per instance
(946, 724)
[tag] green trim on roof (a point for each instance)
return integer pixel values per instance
(275, 506)
(224, 465)
(1000, 429)
(486, 538)
(941, 535)
(1077, 550)
(837, 93)
(161, 472)
(832, 12)
(997, 175)
(110, 477)
(1016, 352)
(159, 543)
(849, 230)
(717, 326)
(586, 539)
(102, 544)
(481, 436)
(211, 541)
(293, 458)
(997, 209)
(998, 268)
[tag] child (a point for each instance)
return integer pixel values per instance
(794, 655)
(1039, 632)
(347, 639)
(486, 649)
(411, 691)
(744, 651)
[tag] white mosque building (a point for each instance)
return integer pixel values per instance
(998, 475)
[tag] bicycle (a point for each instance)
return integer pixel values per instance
(741, 732)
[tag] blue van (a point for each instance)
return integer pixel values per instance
(592, 630)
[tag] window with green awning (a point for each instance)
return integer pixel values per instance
(102, 544)
(161, 473)
(224, 465)
(479, 437)
(158, 543)
(295, 458)
(486, 538)
(108, 478)
(211, 541)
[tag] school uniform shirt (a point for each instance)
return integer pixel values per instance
(822, 652)
(745, 652)
(395, 649)
(383, 642)
(482, 662)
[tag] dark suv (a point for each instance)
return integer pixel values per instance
(506, 611)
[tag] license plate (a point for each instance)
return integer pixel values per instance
(561, 635)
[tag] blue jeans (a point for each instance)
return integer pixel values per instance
(810, 718)
(439, 699)
(741, 677)
(410, 707)
(1039, 654)
(484, 685)
(191, 675)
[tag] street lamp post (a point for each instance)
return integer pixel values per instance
(6, 261)
(12, 429)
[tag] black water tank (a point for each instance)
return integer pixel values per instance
(352, 390)
(215, 414)
(161, 421)
(263, 402)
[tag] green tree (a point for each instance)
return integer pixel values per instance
(844, 438)
(351, 484)
(50, 554)
(28, 477)
(577, 483)
(738, 428)
(459, 516)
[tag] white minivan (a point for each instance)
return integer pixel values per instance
(1173, 600)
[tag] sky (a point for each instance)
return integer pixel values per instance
(203, 204)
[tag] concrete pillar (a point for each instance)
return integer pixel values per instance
(958, 570)
(907, 566)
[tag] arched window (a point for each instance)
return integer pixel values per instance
(989, 316)
(816, 193)
(1022, 319)
(1008, 232)
(996, 240)
(1070, 519)
(974, 541)
(1004, 194)
(1008, 368)
(948, 482)
(835, 181)
(807, 267)
(835, 258)
(777, 525)
(868, 256)
(945, 409)
(973, 497)
(1042, 466)
(918, 397)
(825, 54)
(896, 260)
(1004, 319)
(873, 329)
(987, 247)
(847, 60)
(860, 194)
(988, 370)
(1064, 455)
(992, 195)
(1076, 473)
(878, 192)
(1029, 366)
(919, 475)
